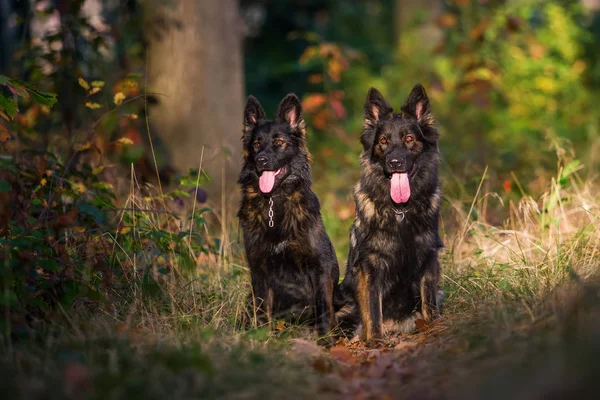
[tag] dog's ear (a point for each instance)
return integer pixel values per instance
(376, 108)
(290, 112)
(417, 106)
(253, 113)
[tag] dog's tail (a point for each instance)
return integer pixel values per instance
(346, 312)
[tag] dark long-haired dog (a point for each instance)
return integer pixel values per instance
(293, 266)
(393, 266)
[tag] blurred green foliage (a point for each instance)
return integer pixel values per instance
(511, 84)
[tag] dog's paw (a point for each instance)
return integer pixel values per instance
(374, 343)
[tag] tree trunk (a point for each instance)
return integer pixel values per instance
(195, 63)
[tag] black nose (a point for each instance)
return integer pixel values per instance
(396, 164)
(262, 160)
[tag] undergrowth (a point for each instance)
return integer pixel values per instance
(131, 293)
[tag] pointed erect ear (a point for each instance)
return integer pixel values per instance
(252, 114)
(290, 112)
(417, 106)
(376, 108)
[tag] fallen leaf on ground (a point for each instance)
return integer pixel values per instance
(341, 353)
(421, 324)
(405, 344)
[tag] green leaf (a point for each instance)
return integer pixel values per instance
(260, 334)
(93, 211)
(49, 265)
(42, 98)
(8, 106)
(5, 186)
(134, 75)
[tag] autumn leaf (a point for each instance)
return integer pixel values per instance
(84, 147)
(421, 324)
(4, 135)
(315, 78)
(310, 53)
(341, 353)
(83, 83)
(131, 116)
(98, 84)
(313, 102)
(124, 141)
(94, 91)
(119, 97)
(92, 105)
(18, 90)
(338, 108)
(446, 20)
(280, 326)
(78, 187)
(478, 31)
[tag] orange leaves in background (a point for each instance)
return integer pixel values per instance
(324, 107)
(313, 102)
(334, 57)
(128, 87)
(446, 20)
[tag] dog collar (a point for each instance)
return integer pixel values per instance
(401, 213)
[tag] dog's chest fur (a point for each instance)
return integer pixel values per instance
(394, 237)
(288, 235)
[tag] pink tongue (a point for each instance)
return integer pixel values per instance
(266, 181)
(400, 188)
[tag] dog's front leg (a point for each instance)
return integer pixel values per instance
(429, 288)
(369, 300)
(261, 299)
(325, 313)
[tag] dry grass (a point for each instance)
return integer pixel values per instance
(180, 338)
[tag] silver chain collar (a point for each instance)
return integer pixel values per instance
(402, 214)
(271, 222)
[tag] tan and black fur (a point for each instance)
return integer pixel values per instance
(293, 266)
(393, 267)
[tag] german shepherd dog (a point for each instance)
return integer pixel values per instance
(393, 266)
(293, 266)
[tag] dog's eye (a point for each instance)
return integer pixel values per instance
(383, 140)
(408, 139)
(279, 142)
(256, 145)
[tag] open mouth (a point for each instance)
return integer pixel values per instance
(400, 186)
(267, 179)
